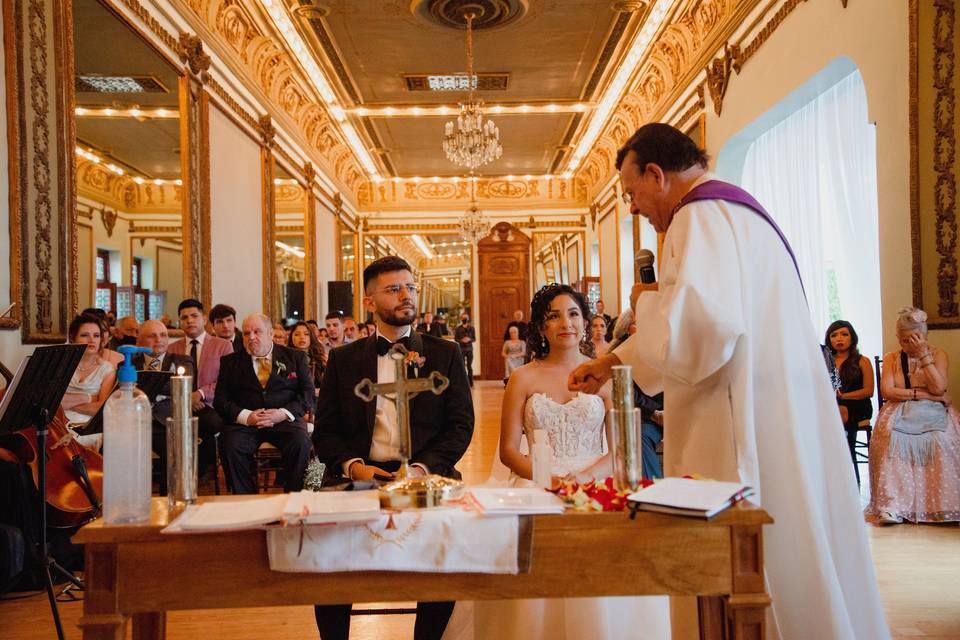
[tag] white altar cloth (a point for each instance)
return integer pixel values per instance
(447, 540)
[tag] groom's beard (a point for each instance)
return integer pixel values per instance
(401, 316)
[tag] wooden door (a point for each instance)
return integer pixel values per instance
(504, 261)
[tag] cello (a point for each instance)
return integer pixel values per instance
(74, 472)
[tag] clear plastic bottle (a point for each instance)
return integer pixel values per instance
(126, 449)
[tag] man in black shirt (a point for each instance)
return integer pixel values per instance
(465, 335)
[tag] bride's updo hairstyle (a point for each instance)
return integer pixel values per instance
(537, 345)
(912, 319)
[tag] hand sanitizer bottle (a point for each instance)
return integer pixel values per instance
(542, 456)
(126, 448)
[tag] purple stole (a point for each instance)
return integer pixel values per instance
(718, 190)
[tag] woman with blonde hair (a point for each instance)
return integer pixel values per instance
(915, 448)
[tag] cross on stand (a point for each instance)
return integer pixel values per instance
(404, 389)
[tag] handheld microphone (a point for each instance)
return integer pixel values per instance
(644, 260)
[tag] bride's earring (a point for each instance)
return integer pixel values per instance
(543, 344)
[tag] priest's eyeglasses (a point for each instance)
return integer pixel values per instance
(394, 289)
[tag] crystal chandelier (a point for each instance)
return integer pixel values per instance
(470, 142)
(473, 225)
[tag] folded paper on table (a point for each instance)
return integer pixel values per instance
(434, 541)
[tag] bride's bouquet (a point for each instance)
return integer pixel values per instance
(595, 496)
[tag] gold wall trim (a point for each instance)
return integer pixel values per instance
(944, 158)
(195, 170)
(269, 208)
(310, 284)
(914, 105)
(38, 43)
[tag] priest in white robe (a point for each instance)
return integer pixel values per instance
(728, 338)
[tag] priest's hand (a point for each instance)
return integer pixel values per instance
(590, 376)
(360, 471)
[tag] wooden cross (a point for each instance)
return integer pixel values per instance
(404, 389)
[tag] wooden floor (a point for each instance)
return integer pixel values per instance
(918, 568)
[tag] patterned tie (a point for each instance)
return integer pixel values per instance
(263, 371)
(155, 364)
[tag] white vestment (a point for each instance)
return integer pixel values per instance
(728, 338)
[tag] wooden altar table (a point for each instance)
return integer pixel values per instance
(138, 574)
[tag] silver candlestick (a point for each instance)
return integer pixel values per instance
(182, 433)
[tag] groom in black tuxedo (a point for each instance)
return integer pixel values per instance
(361, 439)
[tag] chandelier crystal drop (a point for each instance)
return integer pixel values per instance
(470, 141)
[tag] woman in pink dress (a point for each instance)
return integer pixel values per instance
(915, 448)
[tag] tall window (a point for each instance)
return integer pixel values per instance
(815, 171)
(106, 294)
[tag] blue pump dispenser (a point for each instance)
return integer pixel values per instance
(127, 373)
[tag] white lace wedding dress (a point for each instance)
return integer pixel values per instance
(576, 432)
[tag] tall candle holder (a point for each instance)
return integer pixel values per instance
(182, 434)
(625, 423)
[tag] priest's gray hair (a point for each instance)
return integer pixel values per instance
(621, 328)
(912, 319)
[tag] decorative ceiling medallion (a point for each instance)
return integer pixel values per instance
(489, 14)
(456, 82)
(90, 83)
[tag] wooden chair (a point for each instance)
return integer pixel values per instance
(862, 449)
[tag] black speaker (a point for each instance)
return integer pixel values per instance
(340, 296)
(293, 300)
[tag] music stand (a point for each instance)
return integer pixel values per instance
(32, 398)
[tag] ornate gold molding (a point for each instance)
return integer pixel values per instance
(310, 285)
(269, 208)
(38, 45)
(718, 77)
(944, 158)
(195, 170)
(914, 106)
(532, 192)
(273, 71)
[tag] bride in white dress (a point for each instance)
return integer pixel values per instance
(537, 398)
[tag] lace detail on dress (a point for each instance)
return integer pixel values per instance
(575, 429)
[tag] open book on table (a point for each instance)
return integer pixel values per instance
(688, 497)
(303, 507)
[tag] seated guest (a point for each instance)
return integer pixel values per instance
(601, 311)
(223, 317)
(442, 328)
(518, 323)
(279, 334)
(371, 328)
(598, 336)
(335, 337)
(855, 374)
(94, 377)
(153, 335)
(315, 328)
(363, 331)
(322, 335)
(360, 439)
(302, 339)
(915, 448)
(205, 352)
(429, 326)
(262, 394)
(126, 332)
(514, 353)
(108, 354)
(349, 328)
(651, 407)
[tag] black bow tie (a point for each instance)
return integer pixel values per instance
(383, 345)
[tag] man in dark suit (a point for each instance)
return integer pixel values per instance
(360, 439)
(262, 395)
(223, 317)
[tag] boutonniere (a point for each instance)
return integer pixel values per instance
(415, 360)
(281, 367)
(292, 376)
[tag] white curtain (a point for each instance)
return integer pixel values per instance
(815, 172)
